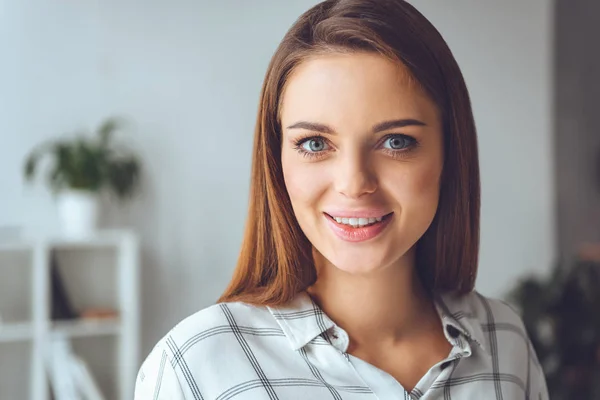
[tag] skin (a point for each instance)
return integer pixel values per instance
(370, 288)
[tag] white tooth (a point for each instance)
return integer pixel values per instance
(344, 220)
(338, 220)
(378, 219)
(372, 220)
(363, 221)
(353, 221)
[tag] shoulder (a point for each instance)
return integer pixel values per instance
(508, 343)
(215, 325)
(220, 317)
(493, 323)
(487, 312)
(205, 337)
(203, 343)
(495, 313)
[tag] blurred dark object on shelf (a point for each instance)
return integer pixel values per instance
(62, 307)
(562, 317)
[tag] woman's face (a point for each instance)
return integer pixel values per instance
(362, 156)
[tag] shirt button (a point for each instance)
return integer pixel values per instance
(338, 338)
(452, 331)
(333, 333)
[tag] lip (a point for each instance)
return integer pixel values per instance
(364, 213)
(350, 234)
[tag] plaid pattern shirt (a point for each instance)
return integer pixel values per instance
(242, 352)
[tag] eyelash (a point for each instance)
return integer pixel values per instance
(397, 154)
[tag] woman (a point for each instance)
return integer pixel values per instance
(355, 278)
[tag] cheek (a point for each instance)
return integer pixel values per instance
(416, 188)
(304, 182)
(427, 185)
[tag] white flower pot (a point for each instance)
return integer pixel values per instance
(77, 212)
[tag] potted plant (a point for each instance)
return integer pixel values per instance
(561, 313)
(82, 167)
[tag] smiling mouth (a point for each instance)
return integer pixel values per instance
(358, 222)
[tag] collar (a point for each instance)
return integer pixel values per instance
(302, 320)
(458, 311)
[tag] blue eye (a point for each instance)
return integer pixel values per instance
(314, 145)
(397, 142)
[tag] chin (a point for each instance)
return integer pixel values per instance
(358, 265)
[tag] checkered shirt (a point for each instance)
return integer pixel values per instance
(295, 352)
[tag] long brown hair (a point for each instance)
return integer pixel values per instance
(276, 262)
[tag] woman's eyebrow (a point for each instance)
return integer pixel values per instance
(397, 123)
(382, 126)
(312, 126)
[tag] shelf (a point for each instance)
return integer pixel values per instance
(102, 238)
(15, 246)
(40, 331)
(16, 332)
(23, 331)
(107, 238)
(88, 327)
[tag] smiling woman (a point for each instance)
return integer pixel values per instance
(360, 141)
(356, 274)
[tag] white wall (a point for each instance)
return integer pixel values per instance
(188, 73)
(505, 50)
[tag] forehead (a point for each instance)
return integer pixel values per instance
(353, 88)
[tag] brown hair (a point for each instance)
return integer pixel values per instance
(276, 262)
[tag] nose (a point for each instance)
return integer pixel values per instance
(354, 176)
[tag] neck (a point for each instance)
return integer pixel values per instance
(388, 305)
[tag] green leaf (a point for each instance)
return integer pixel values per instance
(32, 159)
(105, 131)
(83, 162)
(30, 164)
(124, 177)
(56, 179)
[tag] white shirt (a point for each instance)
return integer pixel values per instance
(242, 352)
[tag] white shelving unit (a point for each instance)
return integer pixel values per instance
(40, 329)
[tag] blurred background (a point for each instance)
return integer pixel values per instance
(184, 78)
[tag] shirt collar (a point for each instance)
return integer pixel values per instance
(457, 311)
(302, 320)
